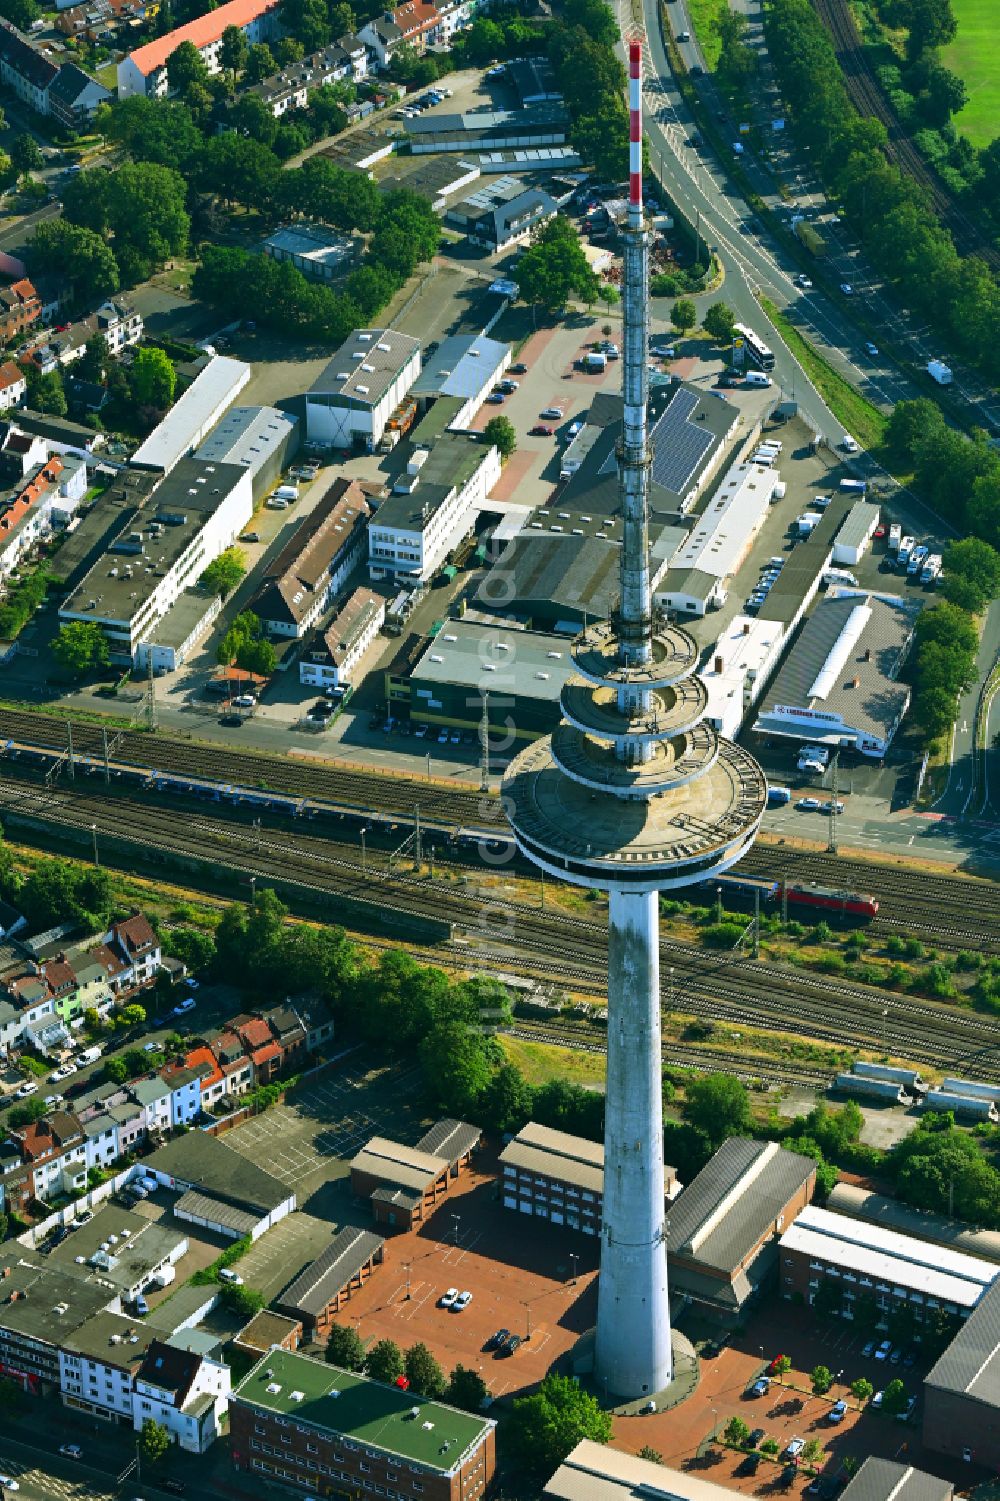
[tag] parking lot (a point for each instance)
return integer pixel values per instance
(789, 1410)
(309, 1140)
(279, 1256)
(533, 1279)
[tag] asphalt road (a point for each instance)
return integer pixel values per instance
(960, 797)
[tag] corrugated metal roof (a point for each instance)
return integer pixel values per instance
(463, 366)
(330, 1273)
(878, 1209)
(971, 1363)
(215, 1212)
(596, 1472)
(861, 521)
(398, 1163)
(876, 703)
(720, 1217)
(556, 1154)
(365, 366)
(451, 1139)
(885, 1480)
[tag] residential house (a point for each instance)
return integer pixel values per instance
(19, 305)
(235, 1065)
(258, 1041)
(416, 24)
(144, 71)
(100, 1140)
(314, 1014)
(135, 940)
(290, 1033)
(213, 1080)
(13, 384)
(292, 87)
(26, 514)
(43, 1159)
(99, 1363)
(186, 1393)
(154, 1097)
(74, 97)
(185, 1090)
(24, 69)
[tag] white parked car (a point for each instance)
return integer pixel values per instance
(244, 701)
(449, 1298)
(233, 1278)
(185, 1005)
(29, 1088)
(462, 1301)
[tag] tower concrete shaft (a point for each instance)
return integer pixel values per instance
(634, 793)
(632, 1352)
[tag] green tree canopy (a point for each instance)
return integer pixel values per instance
(683, 314)
(894, 1397)
(862, 1389)
(821, 1378)
(80, 647)
(423, 1372)
(384, 1361)
(500, 431)
(225, 572)
(186, 66)
(345, 1348)
(260, 63)
(719, 321)
(152, 378)
(25, 154)
(543, 1427)
(466, 1389)
(972, 574)
(154, 1442)
(718, 1105)
(555, 268)
(233, 50)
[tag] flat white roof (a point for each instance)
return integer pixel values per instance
(885, 1255)
(184, 425)
(721, 532)
(745, 646)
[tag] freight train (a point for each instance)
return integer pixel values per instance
(800, 894)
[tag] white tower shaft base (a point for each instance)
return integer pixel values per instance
(632, 1354)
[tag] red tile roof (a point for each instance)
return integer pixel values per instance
(111, 963)
(134, 934)
(265, 1054)
(203, 1055)
(255, 1032)
(201, 32)
(10, 374)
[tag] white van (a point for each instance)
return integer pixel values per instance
(90, 1055)
(815, 753)
(834, 576)
(757, 378)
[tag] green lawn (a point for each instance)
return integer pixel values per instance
(975, 56)
(703, 13)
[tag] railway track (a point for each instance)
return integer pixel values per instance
(569, 951)
(951, 911)
(869, 99)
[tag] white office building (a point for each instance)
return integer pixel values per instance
(432, 508)
(718, 542)
(194, 415)
(738, 670)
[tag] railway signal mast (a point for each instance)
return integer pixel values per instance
(634, 793)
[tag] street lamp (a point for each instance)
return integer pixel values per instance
(93, 831)
(457, 1219)
(574, 1257)
(409, 1266)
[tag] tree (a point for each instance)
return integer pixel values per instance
(384, 1361)
(544, 1427)
(425, 1376)
(154, 1441)
(782, 1365)
(894, 1397)
(115, 1070)
(81, 647)
(736, 1432)
(142, 205)
(21, 13)
(455, 1067)
(239, 169)
(466, 1389)
(244, 1301)
(345, 1348)
(260, 63)
(718, 1105)
(26, 1114)
(555, 267)
(152, 379)
(931, 24)
(719, 321)
(93, 363)
(26, 155)
(185, 66)
(224, 572)
(822, 1379)
(683, 314)
(233, 50)
(737, 61)
(811, 1451)
(501, 433)
(132, 1015)
(152, 130)
(46, 392)
(828, 1300)
(972, 574)
(862, 1390)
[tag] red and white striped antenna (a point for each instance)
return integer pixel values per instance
(635, 133)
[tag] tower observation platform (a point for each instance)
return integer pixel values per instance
(634, 793)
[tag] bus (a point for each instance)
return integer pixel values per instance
(757, 351)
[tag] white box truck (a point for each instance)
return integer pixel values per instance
(895, 536)
(939, 371)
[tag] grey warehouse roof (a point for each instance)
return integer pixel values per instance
(206, 1207)
(878, 1209)
(331, 1272)
(460, 367)
(861, 518)
(556, 1154)
(491, 659)
(720, 1217)
(183, 424)
(971, 1364)
(248, 436)
(885, 1480)
(845, 663)
(365, 365)
(536, 117)
(197, 1160)
(451, 1139)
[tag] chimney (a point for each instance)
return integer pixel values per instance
(746, 627)
(718, 664)
(855, 682)
(868, 654)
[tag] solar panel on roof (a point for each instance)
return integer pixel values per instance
(679, 445)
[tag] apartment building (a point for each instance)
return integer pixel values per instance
(144, 71)
(432, 508)
(336, 653)
(554, 1176)
(315, 563)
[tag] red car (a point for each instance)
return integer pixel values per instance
(540, 431)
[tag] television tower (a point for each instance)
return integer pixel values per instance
(634, 794)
